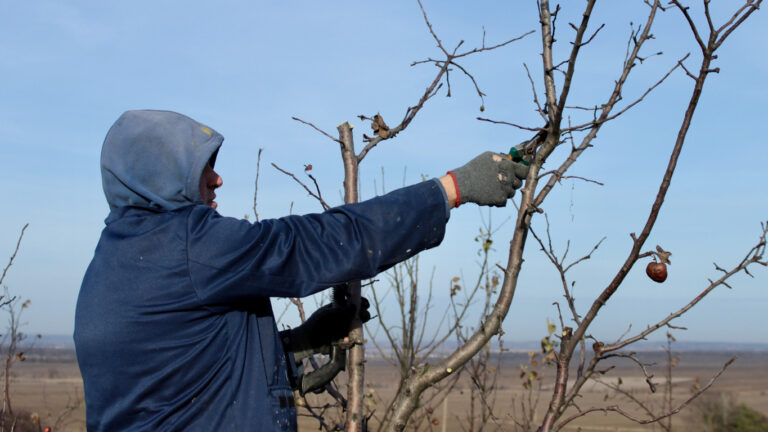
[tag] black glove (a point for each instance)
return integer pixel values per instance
(327, 326)
(489, 179)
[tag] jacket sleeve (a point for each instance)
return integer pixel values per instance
(232, 260)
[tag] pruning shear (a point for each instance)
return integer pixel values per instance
(524, 152)
(316, 380)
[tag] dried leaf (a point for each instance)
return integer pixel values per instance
(663, 255)
(379, 127)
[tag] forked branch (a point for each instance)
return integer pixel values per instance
(314, 194)
(443, 70)
(756, 255)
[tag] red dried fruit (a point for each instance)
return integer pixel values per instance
(656, 271)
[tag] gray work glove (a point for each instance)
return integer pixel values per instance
(327, 326)
(489, 179)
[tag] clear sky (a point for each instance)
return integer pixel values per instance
(69, 69)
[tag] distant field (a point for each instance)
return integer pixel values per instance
(49, 384)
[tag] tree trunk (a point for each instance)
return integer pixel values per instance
(356, 357)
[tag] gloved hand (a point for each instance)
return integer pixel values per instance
(327, 326)
(489, 179)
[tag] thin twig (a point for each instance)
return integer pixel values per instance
(256, 185)
(317, 129)
(560, 176)
(631, 356)
(533, 129)
(312, 194)
(539, 109)
(15, 251)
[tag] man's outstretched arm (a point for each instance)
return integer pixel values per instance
(231, 260)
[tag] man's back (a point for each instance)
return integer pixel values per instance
(157, 357)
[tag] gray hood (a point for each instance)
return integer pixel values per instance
(154, 160)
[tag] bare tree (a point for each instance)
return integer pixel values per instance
(557, 125)
(557, 130)
(11, 340)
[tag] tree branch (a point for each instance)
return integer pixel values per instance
(15, 251)
(314, 195)
(754, 256)
(617, 409)
(317, 129)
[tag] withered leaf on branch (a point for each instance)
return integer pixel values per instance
(597, 347)
(663, 255)
(379, 127)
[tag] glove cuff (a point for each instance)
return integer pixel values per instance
(456, 185)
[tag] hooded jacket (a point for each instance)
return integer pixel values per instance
(174, 329)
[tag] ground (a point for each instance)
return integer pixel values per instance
(48, 384)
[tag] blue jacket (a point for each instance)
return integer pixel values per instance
(174, 329)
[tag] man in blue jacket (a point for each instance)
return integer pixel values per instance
(174, 329)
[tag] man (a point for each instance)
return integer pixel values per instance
(174, 329)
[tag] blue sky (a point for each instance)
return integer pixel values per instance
(69, 69)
